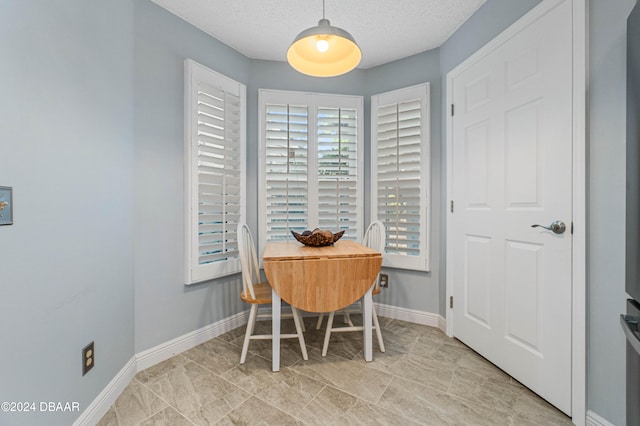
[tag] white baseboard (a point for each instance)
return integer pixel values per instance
(99, 407)
(145, 359)
(411, 315)
(164, 351)
(150, 357)
(595, 420)
(388, 311)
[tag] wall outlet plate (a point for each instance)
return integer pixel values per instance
(384, 280)
(6, 205)
(88, 358)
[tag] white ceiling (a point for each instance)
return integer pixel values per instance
(386, 30)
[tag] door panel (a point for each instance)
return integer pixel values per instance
(511, 158)
(521, 68)
(477, 93)
(477, 158)
(522, 144)
(478, 280)
(523, 320)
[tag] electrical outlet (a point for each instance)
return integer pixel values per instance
(384, 280)
(88, 358)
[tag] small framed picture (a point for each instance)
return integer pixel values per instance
(6, 205)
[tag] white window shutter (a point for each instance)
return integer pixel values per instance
(310, 164)
(286, 162)
(214, 172)
(400, 174)
(338, 195)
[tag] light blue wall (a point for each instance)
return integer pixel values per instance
(606, 207)
(414, 290)
(490, 19)
(166, 308)
(66, 148)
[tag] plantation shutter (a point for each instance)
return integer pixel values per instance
(287, 203)
(401, 188)
(215, 173)
(310, 165)
(338, 170)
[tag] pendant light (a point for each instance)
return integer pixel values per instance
(324, 51)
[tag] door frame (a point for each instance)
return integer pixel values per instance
(578, 267)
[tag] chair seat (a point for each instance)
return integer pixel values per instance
(262, 292)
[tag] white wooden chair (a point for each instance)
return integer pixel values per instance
(374, 238)
(258, 293)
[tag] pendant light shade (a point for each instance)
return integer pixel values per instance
(324, 51)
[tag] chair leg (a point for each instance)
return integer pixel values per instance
(376, 325)
(297, 319)
(319, 323)
(347, 319)
(253, 313)
(302, 321)
(327, 334)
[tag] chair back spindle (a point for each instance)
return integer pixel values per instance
(375, 235)
(248, 260)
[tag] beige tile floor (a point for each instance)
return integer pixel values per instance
(424, 378)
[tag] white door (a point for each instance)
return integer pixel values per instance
(512, 167)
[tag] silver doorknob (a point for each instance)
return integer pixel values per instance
(557, 227)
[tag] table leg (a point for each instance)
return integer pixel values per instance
(275, 331)
(367, 304)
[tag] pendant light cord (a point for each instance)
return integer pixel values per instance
(323, 9)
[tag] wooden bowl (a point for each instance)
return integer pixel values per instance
(318, 239)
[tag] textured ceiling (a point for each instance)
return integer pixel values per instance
(386, 30)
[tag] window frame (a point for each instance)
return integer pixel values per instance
(422, 92)
(193, 74)
(313, 101)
